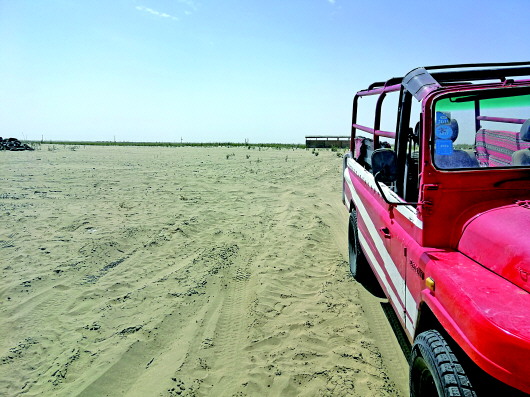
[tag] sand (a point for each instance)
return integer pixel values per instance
(152, 271)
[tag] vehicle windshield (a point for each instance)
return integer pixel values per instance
(483, 129)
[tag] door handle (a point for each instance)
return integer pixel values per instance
(385, 232)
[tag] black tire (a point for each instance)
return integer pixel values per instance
(435, 370)
(355, 253)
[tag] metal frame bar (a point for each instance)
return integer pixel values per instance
(405, 104)
(480, 65)
(502, 119)
(448, 74)
(386, 134)
(381, 91)
(465, 72)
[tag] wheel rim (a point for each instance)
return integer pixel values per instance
(422, 380)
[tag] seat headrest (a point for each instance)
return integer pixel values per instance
(454, 127)
(525, 131)
(447, 131)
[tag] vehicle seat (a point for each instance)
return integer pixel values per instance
(522, 157)
(456, 158)
(364, 147)
(481, 148)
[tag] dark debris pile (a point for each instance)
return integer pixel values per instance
(13, 144)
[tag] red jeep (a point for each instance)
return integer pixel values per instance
(439, 210)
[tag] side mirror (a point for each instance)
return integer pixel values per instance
(384, 165)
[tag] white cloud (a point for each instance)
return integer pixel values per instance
(157, 13)
(190, 3)
(331, 1)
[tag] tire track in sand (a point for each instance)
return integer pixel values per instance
(381, 330)
(231, 331)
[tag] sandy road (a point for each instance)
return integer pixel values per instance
(190, 271)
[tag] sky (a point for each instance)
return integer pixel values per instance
(217, 71)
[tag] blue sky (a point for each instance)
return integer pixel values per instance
(210, 71)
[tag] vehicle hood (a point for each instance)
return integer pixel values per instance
(498, 239)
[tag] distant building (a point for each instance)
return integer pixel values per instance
(315, 141)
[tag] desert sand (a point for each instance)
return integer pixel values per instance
(157, 271)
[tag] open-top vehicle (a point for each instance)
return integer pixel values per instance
(440, 212)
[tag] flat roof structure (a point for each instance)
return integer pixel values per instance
(327, 141)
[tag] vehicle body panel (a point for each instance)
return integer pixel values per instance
(483, 315)
(494, 239)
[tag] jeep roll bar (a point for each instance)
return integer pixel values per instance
(420, 82)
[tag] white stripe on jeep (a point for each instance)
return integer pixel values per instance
(389, 264)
